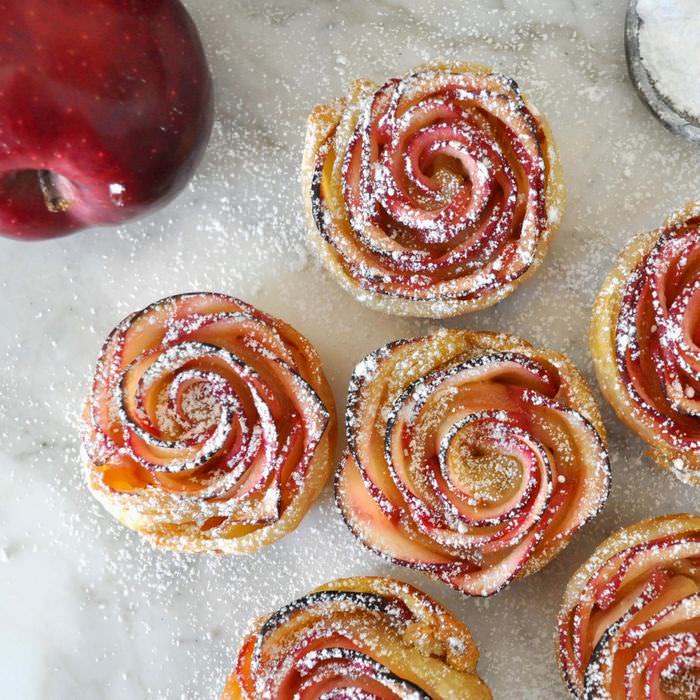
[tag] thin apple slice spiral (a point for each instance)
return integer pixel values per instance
(471, 456)
(629, 627)
(210, 425)
(646, 343)
(359, 639)
(433, 194)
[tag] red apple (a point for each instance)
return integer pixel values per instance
(105, 110)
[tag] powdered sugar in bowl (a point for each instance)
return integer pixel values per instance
(663, 56)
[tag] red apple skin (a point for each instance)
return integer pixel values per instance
(112, 97)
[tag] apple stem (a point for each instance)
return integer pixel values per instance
(55, 203)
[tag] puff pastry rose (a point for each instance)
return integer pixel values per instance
(359, 638)
(645, 341)
(434, 194)
(629, 628)
(210, 425)
(474, 457)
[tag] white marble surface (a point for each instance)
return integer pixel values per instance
(89, 611)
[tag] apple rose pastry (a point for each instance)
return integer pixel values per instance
(359, 638)
(210, 425)
(629, 627)
(474, 457)
(645, 339)
(434, 194)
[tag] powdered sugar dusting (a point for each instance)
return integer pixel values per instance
(117, 617)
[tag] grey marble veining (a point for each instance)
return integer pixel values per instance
(89, 611)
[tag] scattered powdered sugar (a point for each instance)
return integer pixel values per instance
(669, 46)
(133, 622)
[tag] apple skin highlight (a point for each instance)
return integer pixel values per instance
(106, 108)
